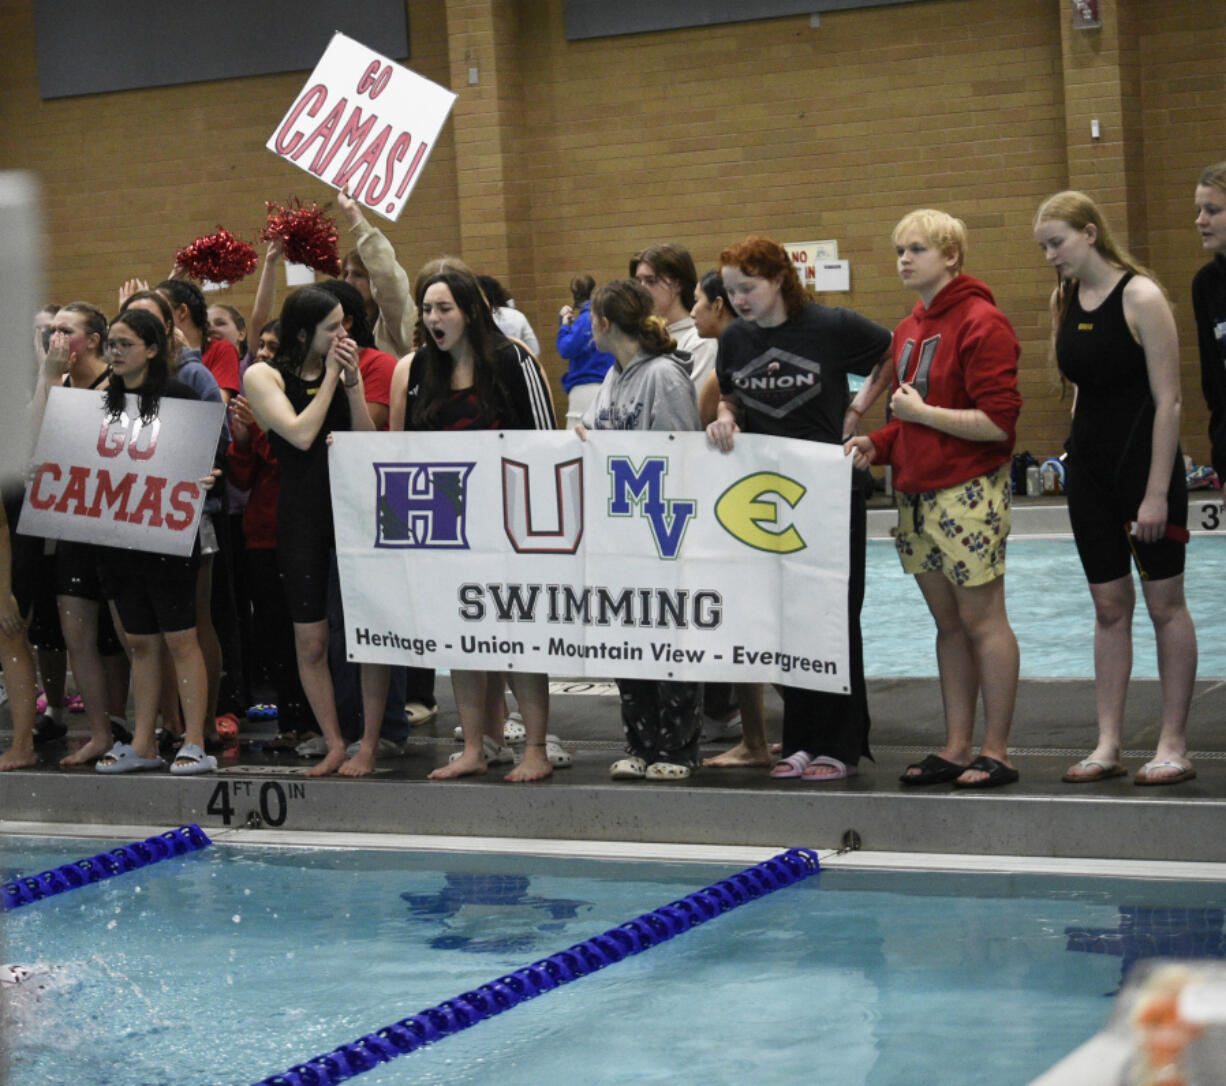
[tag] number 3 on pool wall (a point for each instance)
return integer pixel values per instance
(273, 804)
(1211, 516)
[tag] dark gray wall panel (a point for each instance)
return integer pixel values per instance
(602, 19)
(86, 47)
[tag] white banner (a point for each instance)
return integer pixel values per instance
(630, 555)
(365, 122)
(120, 483)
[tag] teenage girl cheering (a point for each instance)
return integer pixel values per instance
(467, 375)
(311, 388)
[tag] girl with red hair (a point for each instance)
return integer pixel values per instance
(782, 369)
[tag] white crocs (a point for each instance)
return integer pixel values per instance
(558, 756)
(667, 771)
(633, 768)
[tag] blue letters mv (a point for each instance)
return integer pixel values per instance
(645, 488)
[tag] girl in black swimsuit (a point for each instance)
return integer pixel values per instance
(1115, 339)
(311, 388)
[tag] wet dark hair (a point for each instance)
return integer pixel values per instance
(484, 337)
(353, 305)
(494, 291)
(153, 334)
(168, 314)
(581, 288)
(184, 292)
(712, 287)
(629, 307)
(300, 316)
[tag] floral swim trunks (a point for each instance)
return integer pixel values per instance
(959, 531)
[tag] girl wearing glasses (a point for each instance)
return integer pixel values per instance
(154, 595)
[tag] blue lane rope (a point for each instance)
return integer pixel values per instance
(106, 865)
(633, 937)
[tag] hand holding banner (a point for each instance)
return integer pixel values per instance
(121, 483)
(630, 555)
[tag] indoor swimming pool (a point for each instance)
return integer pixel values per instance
(236, 963)
(1049, 607)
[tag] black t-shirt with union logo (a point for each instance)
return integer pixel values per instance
(792, 379)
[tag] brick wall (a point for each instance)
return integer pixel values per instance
(567, 157)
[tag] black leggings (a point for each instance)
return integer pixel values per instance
(836, 724)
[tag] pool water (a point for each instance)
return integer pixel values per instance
(1050, 610)
(234, 964)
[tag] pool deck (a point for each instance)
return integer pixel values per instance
(1037, 817)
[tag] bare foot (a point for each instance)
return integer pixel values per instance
(466, 765)
(533, 767)
(91, 751)
(18, 758)
(776, 749)
(331, 763)
(361, 764)
(738, 757)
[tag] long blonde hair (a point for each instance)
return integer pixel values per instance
(1079, 211)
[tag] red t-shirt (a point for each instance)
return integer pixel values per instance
(376, 367)
(253, 467)
(221, 360)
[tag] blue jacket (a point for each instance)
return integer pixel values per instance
(587, 365)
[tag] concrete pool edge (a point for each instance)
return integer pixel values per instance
(638, 851)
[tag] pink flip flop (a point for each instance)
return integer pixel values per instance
(793, 766)
(841, 770)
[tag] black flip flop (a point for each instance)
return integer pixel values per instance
(47, 730)
(997, 773)
(933, 770)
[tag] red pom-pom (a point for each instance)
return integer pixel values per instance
(218, 258)
(308, 233)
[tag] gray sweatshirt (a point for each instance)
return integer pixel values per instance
(653, 392)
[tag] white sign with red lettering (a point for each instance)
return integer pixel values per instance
(365, 123)
(808, 256)
(121, 482)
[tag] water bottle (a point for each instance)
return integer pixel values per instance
(1051, 477)
(1034, 481)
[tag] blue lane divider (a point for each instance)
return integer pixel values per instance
(106, 865)
(633, 937)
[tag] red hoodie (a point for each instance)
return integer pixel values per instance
(960, 352)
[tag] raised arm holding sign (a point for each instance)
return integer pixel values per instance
(365, 124)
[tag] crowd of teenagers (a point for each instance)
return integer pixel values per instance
(256, 605)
